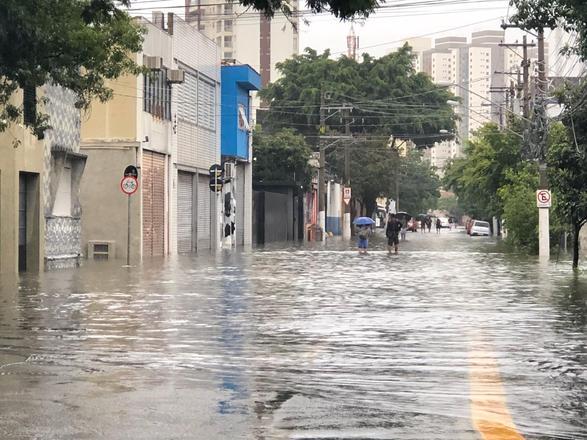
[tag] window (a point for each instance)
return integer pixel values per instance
(228, 25)
(206, 104)
(227, 41)
(157, 94)
(228, 55)
(29, 105)
(228, 8)
(219, 26)
(188, 99)
(62, 205)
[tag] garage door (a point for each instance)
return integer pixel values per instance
(153, 175)
(203, 212)
(185, 212)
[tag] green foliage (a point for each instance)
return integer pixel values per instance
(281, 158)
(476, 178)
(568, 174)
(544, 14)
(419, 185)
(387, 97)
(518, 196)
(343, 9)
(77, 44)
(451, 205)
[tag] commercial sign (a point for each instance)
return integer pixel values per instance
(543, 198)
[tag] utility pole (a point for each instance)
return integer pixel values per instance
(346, 233)
(541, 129)
(526, 71)
(322, 171)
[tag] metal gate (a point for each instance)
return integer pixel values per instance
(153, 174)
(204, 241)
(22, 221)
(240, 204)
(185, 212)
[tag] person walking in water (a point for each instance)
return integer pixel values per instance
(438, 225)
(392, 231)
(363, 232)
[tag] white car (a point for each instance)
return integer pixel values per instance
(480, 228)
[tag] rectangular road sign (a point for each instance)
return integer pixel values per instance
(543, 198)
(346, 195)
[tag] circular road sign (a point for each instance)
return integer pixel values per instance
(129, 185)
(543, 198)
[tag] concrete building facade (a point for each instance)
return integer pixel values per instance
(238, 82)
(247, 36)
(170, 132)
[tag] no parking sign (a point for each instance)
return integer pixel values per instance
(543, 198)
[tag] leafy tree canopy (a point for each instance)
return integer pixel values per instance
(385, 96)
(543, 14)
(281, 157)
(476, 178)
(77, 44)
(343, 9)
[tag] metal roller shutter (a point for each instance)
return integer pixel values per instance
(240, 204)
(185, 212)
(203, 212)
(153, 177)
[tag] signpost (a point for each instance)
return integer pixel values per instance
(216, 181)
(543, 198)
(129, 185)
(346, 195)
(544, 202)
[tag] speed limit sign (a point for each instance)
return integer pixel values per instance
(129, 185)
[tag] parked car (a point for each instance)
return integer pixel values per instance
(444, 223)
(480, 228)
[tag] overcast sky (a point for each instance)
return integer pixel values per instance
(382, 32)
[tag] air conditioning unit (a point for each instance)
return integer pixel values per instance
(153, 63)
(101, 250)
(229, 170)
(176, 76)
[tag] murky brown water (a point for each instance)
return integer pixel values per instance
(296, 343)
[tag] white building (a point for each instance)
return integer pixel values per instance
(245, 35)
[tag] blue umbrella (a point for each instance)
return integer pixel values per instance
(363, 221)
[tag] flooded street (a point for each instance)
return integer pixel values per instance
(451, 339)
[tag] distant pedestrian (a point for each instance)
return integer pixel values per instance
(403, 231)
(392, 231)
(363, 233)
(423, 224)
(429, 223)
(438, 225)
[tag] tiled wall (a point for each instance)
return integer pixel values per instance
(62, 242)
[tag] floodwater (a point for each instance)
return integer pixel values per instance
(451, 339)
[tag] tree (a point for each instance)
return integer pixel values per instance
(543, 14)
(477, 177)
(386, 97)
(77, 44)
(343, 9)
(568, 175)
(419, 185)
(518, 196)
(281, 157)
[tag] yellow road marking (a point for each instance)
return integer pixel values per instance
(489, 410)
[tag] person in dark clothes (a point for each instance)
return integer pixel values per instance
(392, 231)
(438, 225)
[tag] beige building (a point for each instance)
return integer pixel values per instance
(22, 225)
(245, 35)
(40, 219)
(166, 125)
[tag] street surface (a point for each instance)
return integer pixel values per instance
(451, 339)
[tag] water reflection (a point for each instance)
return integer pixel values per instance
(309, 342)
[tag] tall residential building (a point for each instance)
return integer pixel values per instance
(245, 35)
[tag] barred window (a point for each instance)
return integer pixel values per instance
(188, 99)
(157, 94)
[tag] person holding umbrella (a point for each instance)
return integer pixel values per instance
(363, 225)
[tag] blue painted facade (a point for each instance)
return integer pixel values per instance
(237, 81)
